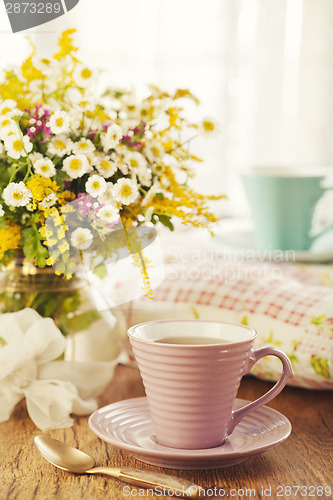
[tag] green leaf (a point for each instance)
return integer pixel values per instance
(52, 305)
(320, 366)
(32, 246)
(83, 321)
(244, 321)
(71, 303)
(293, 358)
(166, 221)
(60, 177)
(318, 320)
(159, 196)
(195, 312)
(100, 271)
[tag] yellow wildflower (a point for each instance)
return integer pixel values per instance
(134, 246)
(9, 238)
(49, 211)
(157, 93)
(41, 187)
(65, 197)
(66, 45)
(66, 209)
(45, 232)
(29, 71)
(102, 116)
(64, 247)
(185, 93)
(49, 261)
(173, 117)
(59, 219)
(61, 233)
(51, 242)
(168, 145)
(13, 88)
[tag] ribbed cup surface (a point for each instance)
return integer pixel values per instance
(191, 389)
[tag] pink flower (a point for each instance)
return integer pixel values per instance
(38, 123)
(132, 139)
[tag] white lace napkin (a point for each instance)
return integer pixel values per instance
(29, 348)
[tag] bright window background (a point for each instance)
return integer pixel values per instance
(263, 68)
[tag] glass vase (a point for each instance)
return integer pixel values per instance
(92, 334)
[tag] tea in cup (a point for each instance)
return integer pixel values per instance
(191, 371)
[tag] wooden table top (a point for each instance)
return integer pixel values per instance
(304, 460)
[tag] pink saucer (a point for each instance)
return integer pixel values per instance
(127, 425)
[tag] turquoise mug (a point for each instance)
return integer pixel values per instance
(282, 201)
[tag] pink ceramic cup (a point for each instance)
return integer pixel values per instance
(191, 389)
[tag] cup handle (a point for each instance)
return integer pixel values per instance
(287, 372)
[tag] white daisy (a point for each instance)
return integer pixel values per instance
(60, 145)
(16, 147)
(125, 191)
(43, 64)
(82, 75)
(95, 185)
(16, 194)
(123, 167)
(81, 238)
(35, 156)
(209, 127)
(76, 166)
(73, 96)
(91, 157)
(145, 176)
(107, 197)
(48, 201)
(10, 133)
(75, 118)
(84, 106)
(135, 160)
(44, 167)
(109, 213)
(130, 105)
(83, 146)
(2, 212)
(50, 86)
(106, 167)
(148, 111)
(37, 88)
(154, 151)
(8, 108)
(7, 125)
(59, 122)
(112, 137)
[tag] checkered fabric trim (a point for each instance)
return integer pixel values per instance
(274, 290)
(316, 343)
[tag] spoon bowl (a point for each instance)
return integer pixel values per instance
(64, 456)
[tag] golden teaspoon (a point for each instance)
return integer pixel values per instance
(73, 460)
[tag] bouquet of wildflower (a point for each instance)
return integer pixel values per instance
(108, 160)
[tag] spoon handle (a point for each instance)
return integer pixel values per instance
(163, 483)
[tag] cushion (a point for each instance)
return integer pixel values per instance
(290, 305)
